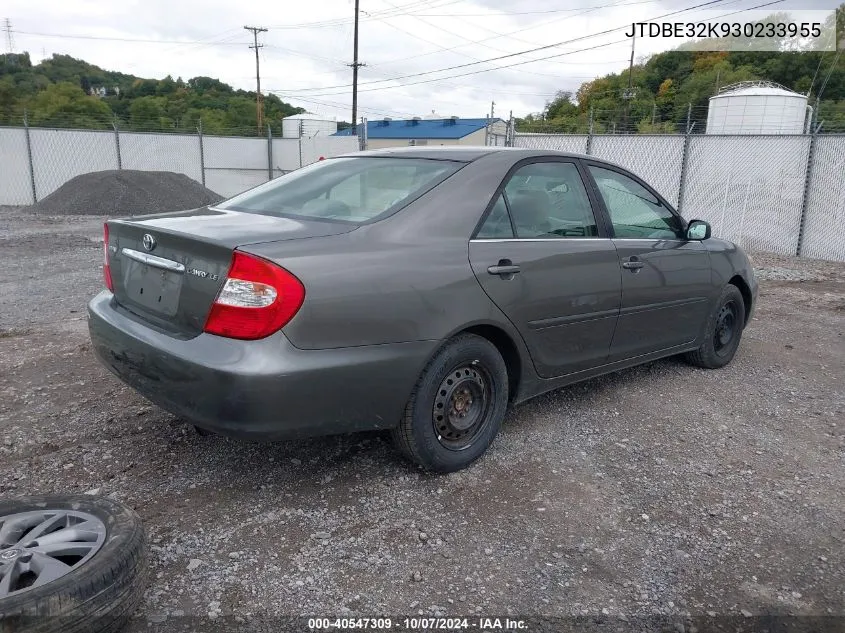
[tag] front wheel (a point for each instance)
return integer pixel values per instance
(723, 333)
(457, 406)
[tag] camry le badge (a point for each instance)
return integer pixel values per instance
(148, 241)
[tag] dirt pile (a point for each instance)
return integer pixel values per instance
(126, 192)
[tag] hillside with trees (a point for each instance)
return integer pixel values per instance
(67, 92)
(667, 84)
(670, 90)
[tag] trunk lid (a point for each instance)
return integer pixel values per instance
(168, 268)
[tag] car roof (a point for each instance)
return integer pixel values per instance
(468, 153)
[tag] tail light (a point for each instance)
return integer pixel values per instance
(106, 266)
(257, 299)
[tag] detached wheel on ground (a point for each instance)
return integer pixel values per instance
(723, 333)
(457, 406)
(69, 564)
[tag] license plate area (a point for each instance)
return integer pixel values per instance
(152, 288)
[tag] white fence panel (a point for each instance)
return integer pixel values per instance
(178, 153)
(749, 188)
(234, 164)
(824, 225)
(59, 155)
(228, 182)
(326, 146)
(15, 185)
(498, 140)
(655, 159)
(574, 143)
(228, 151)
(285, 155)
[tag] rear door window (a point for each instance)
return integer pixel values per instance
(549, 200)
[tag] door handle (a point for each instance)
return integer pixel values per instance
(505, 269)
(634, 265)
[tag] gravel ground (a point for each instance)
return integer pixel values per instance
(125, 192)
(659, 492)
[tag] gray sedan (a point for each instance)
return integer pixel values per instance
(417, 290)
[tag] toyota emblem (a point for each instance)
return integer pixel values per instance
(148, 241)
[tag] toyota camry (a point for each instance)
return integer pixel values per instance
(418, 290)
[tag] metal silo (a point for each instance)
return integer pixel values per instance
(308, 125)
(757, 107)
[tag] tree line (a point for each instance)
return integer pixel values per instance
(672, 89)
(66, 92)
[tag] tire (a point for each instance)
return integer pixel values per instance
(468, 377)
(717, 351)
(103, 587)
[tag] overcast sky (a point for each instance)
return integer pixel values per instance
(309, 44)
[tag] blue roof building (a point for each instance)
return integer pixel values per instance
(383, 133)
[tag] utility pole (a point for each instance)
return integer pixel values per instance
(492, 109)
(629, 93)
(355, 65)
(259, 111)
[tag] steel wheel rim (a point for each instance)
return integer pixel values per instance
(726, 327)
(41, 546)
(462, 406)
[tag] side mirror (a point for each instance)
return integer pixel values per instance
(698, 230)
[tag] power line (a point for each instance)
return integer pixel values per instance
(829, 73)
(336, 104)
(484, 70)
(372, 17)
(527, 28)
(556, 55)
(445, 49)
(258, 109)
(124, 39)
(530, 50)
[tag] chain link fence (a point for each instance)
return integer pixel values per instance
(224, 177)
(778, 193)
(34, 162)
(574, 143)
(161, 152)
(656, 159)
(823, 235)
(16, 182)
(59, 155)
(749, 188)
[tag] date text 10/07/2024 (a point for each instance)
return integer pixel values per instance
(418, 624)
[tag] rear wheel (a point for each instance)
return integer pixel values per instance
(457, 406)
(724, 331)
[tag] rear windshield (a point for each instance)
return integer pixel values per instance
(345, 189)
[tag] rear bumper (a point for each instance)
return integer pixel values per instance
(266, 389)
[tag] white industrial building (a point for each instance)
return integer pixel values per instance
(308, 125)
(758, 107)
